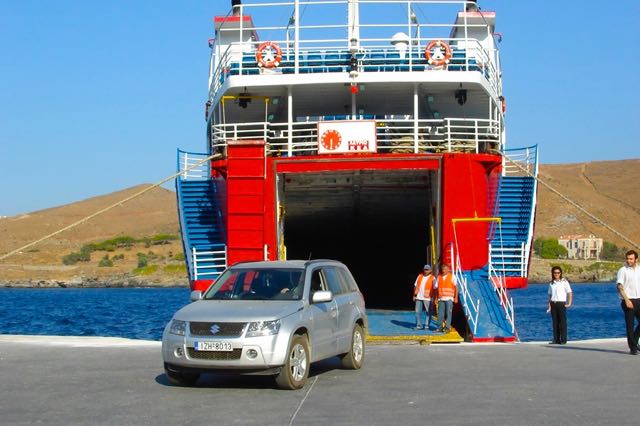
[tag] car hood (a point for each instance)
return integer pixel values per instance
(238, 310)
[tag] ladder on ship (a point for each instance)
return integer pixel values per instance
(199, 213)
(516, 200)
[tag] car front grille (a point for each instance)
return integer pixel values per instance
(215, 356)
(225, 329)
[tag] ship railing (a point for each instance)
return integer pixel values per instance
(394, 135)
(209, 264)
(509, 260)
(188, 159)
(471, 307)
(317, 56)
(521, 161)
(505, 301)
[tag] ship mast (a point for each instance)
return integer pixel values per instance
(353, 19)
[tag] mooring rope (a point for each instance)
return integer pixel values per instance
(573, 203)
(106, 209)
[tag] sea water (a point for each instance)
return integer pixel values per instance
(141, 313)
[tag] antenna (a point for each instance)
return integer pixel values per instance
(310, 253)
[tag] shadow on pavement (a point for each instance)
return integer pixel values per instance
(239, 381)
(582, 348)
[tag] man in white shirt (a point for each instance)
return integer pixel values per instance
(629, 290)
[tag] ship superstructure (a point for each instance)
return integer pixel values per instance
(371, 132)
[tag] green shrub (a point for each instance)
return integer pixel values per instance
(143, 260)
(604, 266)
(611, 251)
(118, 257)
(105, 262)
(163, 239)
(175, 269)
(147, 270)
(75, 257)
(549, 248)
(179, 257)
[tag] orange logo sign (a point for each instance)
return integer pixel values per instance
(331, 139)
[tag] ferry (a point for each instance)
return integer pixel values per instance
(367, 131)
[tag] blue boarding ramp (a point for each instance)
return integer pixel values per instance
(487, 307)
(200, 218)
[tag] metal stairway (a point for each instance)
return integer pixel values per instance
(515, 205)
(199, 213)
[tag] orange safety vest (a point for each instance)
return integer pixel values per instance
(427, 282)
(446, 287)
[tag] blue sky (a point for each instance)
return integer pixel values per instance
(96, 96)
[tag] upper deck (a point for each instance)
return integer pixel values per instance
(414, 67)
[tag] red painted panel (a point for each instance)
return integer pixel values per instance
(246, 167)
(516, 282)
(361, 162)
(246, 203)
(466, 182)
(201, 285)
(244, 255)
(244, 186)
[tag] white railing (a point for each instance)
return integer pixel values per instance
(188, 159)
(505, 301)
(526, 160)
(209, 264)
(472, 310)
(508, 259)
(312, 28)
(394, 135)
(316, 59)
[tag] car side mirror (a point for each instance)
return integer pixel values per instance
(322, 296)
(196, 295)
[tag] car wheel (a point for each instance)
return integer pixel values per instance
(354, 359)
(295, 371)
(178, 378)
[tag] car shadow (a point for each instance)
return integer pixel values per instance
(239, 381)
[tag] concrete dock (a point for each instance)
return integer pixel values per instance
(94, 380)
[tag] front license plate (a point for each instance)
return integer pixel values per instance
(213, 346)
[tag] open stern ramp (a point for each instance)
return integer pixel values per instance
(492, 310)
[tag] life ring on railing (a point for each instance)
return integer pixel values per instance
(269, 55)
(438, 53)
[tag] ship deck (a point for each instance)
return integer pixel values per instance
(89, 380)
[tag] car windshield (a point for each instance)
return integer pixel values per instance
(257, 284)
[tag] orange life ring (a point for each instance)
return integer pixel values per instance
(269, 55)
(445, 53)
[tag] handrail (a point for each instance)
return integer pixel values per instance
(185, 161)
(472, 309)
(302, 32)
(506, 302)
(394, 135)
(209, 264)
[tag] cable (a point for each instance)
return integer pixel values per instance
(106, 209)
(573, 203)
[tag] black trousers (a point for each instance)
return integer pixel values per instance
(559, 319)
(629, 315)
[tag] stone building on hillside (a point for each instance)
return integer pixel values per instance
(581, 247)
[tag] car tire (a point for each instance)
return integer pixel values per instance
(295, 371)
(178, 378)
(354, 359)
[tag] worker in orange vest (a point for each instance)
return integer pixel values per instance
(422, 293)
(447, 291)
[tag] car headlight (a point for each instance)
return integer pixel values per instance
(178, 327)
(263, 328)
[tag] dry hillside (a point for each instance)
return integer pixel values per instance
(149, 215)
(608, 189)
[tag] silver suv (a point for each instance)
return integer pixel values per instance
(268, 318)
